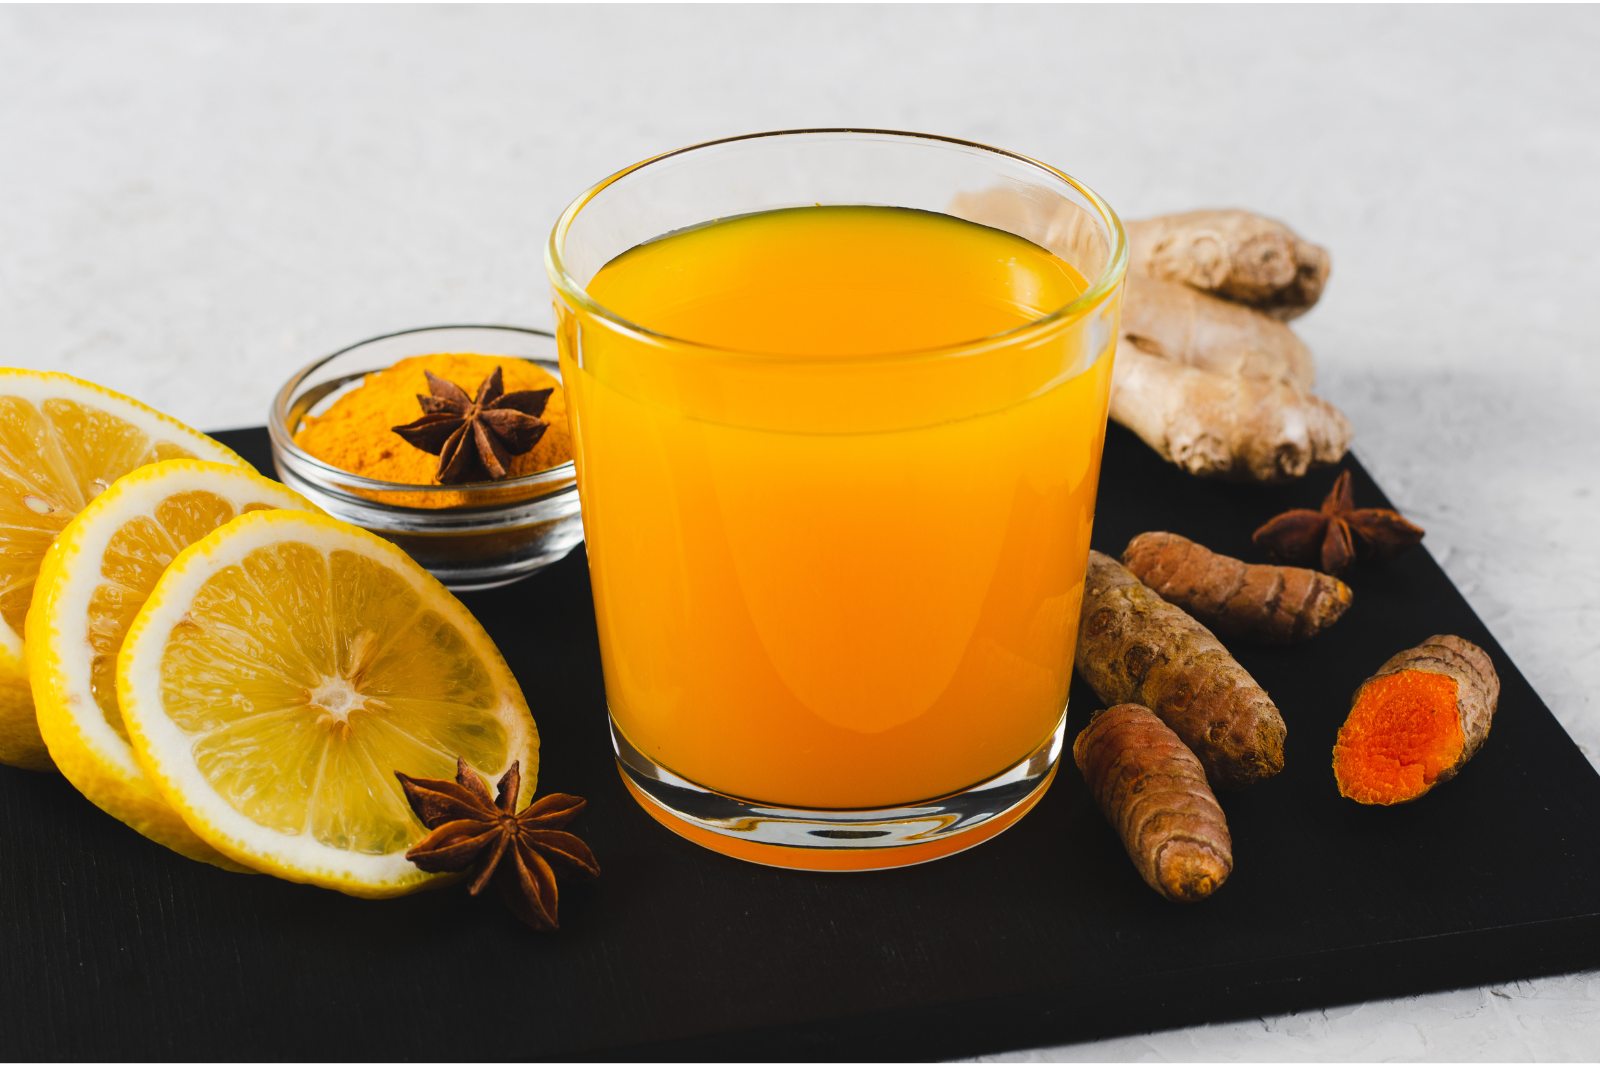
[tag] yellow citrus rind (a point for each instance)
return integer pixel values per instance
(94, 577)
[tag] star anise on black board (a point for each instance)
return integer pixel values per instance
(518, 851)
(475, 437)
(1338, 534)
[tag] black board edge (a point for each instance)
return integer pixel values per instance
(1093, 1011)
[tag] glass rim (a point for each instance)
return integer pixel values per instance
(1097, 291)
(283, 437)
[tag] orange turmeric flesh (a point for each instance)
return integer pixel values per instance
(356, 433)
(1402, 733)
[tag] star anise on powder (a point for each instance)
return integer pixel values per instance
(475, 437)
(1336, 536)
(518, 851)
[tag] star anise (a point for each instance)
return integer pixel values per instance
(517, 851)
(476, 436)
(1336, 536)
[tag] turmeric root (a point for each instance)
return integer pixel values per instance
(1188, 327)
(1134, 647)
(1416, 723)
(1219, 426)
(1235, 254)
(1154, 792)
(1255, 601)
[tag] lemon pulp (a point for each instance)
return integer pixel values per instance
(63, 442)
(54, 458)
(305, 677)
(135, 559)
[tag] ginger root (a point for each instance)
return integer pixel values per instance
(1153, 790)
(1219, 426)
(1254, 601)
(1237, 255)
(1134, 647)
(1204, 375)
(1416, 723)
(1187, 327)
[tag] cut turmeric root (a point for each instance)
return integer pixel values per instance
(1416, 723)
(1153, 790)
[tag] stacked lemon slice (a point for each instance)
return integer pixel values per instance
(93, 581)
(280, 673)
(62, 443)
(217, 664)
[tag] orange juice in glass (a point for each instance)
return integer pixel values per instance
(838, 400)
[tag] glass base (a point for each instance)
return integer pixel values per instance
(864, 839)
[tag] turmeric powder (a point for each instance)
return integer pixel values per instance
(1415, 723)
(356, 433)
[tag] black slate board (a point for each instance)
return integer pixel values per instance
(115, 948)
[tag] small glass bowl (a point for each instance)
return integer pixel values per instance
(473, 536)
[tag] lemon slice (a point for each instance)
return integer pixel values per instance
(92, 582)
(283, 669)
(62, 443)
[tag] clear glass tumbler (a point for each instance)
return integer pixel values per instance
(838, 598)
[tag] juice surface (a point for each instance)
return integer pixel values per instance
(835, 281)
(824, 578)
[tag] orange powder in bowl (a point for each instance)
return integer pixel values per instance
(356, 433)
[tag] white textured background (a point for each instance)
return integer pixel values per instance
(195, 201)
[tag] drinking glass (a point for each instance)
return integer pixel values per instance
(838, 598)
